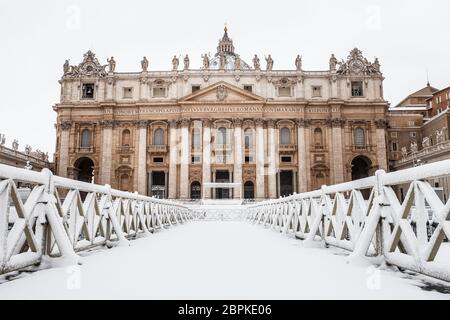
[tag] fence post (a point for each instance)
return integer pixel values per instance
(65, 246)
(379, 202)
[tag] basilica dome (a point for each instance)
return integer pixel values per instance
(225, 52)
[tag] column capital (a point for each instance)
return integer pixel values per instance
(271, 123)
(259, 122)
(142, 123)
(107, 124)
(381, 123)
(206, 122)
(173, 124)
(66, 125)
(185, 122)
(302, 122)
(237, 122)
(337, 122)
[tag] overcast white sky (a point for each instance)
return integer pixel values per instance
(408, 36)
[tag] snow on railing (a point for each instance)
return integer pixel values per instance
(89, 215)
(381, 225)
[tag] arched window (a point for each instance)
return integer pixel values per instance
(196, 138)
(196, 190)
(125, 182)
(86, 138)
(285, 136)
(126, 138)
(248, 138)
(222, 136)
(158, 137)
(318, 137)
(360, 140)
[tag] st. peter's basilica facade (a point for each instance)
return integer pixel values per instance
(228, 130)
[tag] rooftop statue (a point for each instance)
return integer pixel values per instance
(144, 64)
(205, 61)
(15, 145)
(66, 67)
(112, 64)
(186, 62)
(269, 62)
(222, 61)
(2, 139)
(237, 63)
(333, 62)
(175, 63)
(298, 63)
(256, 63)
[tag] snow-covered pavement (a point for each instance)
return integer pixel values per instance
(218, 260)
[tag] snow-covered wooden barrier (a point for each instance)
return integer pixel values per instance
(89, 215)
(380, 225)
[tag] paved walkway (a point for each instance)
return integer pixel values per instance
(217, 260)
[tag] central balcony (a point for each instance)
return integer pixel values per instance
(287, 147)
(157, 148)
(222, 147)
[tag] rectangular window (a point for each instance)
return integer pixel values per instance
(394, 146)
(286, 159)
(357, 89)
(158, 160)
(284, 91)
(394, 134)
(127, 93)
(248, 88)
(316, 91)
(195, 159)
(159, 92)
(195, 88)
(88, 91)
(248, 159)
(413, 134)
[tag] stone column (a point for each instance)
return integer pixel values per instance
(110, 88)
(184, 166)
(237, 192)
(206, 167)
(260, 194)
(107, 152)
(173, 159)
(272, 157)
(143, 89)
(337, 150)
(142, 158)
(380, 140)
(301, 144)
(64, 148)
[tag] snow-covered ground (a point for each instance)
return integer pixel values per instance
(219, 260)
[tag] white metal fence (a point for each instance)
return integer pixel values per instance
(380, 225)
(89, 215)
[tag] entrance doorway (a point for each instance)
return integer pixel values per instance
(196, 190)
(158, 184)
(85, 170)
(221, 177)
(286, 183)
(360, 167)
(249, 190)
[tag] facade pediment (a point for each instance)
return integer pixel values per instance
(222, 92)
